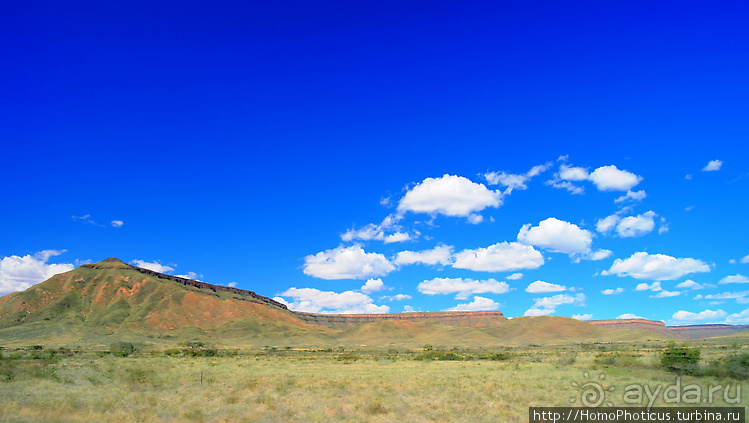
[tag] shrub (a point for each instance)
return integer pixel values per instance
(680, 359)
(735, 367)
(439, 355)
(122, 349)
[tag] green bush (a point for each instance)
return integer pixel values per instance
(122, 349)
(680, 359)
(735, 367)
(439, 355)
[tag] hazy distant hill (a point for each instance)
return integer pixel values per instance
(97, 304)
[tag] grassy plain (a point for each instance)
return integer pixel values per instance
(338, 384)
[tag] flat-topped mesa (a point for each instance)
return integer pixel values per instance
(460, 318)
(626, 322)
(114, 263)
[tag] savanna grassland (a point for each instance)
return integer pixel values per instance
(433, 383)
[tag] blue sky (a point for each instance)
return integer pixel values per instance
(578, 159)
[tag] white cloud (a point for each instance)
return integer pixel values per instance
(666, 294)
(607, 223)
(449, 195)
(347, 263)
(616, 291)
(478, 304)
(155, 266)
(515, 276)
(441, 254)
(642, 265)
(463, 288)
(533, 312)
(19, 273)
(632, 196)
(408, 309)
(586, 316)
(232, 284)
(628, 316)
(690, 284)
(194, 276)
(737, 278)
(399, 297)
(598, 254)
(688, 316)
(655, 287)
(740, 297)
(745, 260)
(500, 257)
(688, 177)
(636, 226)
(712, 166)
(547, 305)
(557, 235)
(313, 300)
(379, 232)
(373, 285)
(513, 181)
(540, 287)
(569, 186)
(610, 178)
(570, 173)
(117, 223)
(741, 318)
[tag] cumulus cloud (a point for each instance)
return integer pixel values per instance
(117, 223)
(478, 304)
(642, 265)
(586, 316)
(18, 273)
(232, 284)
(313, 300)
(441, 254)
(154, 265)
(569, 186)
(399, 297)
(514, 181)
(515, 276)
(347, 263)
(655, 286)
(665, 294)
(741, 318)
(632, 196)
(463, 288)
(616, 291)
(745, 260)
(610, 178)
(571, 173)
(712, 166)
(541, 287)
(598, 254)
(690, 284)
(630, 226)
(706, 315)
(388, 232)
(373, 285)
(557, 235)
(627, 316)
(500, 257)
(449, 195)
(194, 276)
(737, 278)
(741, 297)
(547, 305)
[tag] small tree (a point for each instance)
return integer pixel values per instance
(680, 359)
(122, 349)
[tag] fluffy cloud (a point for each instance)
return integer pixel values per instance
(449, 195)
(19, 273)
(741, 318)
(586, 316)
(655, 287)
(612, 291)
(194, 276)
(373, 285)
(690, 284)
(463, 288)
(745, 260)
(541, 287)
(666, 294)
(441, 254)
(347, 263)
(117, 223)
(313, 300)
(155, 266)
(515, 276)
(569, 186)
(571, 173)
(627, 316)
(688, 316)
(547, 305)
(712, 166)
(610, 178)
(737, 278)
(632, 196)
(387, 231)
(513, 181)
(642, 265)
(741, 297)
(399, 297)
(598, 254)
(630, 226)
(478, 304)
(556, 235)
(500, 257)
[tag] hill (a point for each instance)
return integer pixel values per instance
(97, 304)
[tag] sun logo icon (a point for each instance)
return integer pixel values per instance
(592, 393)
